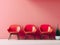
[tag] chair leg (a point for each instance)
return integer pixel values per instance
(25, 36)
(14, 34)
(41, 37)
(50, 36)
(10, 36)
(18, 36)
(34, 36)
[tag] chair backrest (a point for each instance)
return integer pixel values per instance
(30, 28)
(14, 28)
(46, 28)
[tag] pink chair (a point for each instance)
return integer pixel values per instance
(46, 29)
(14, 30)
(30, 30)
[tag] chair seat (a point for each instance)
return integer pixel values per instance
(13, 32)
(45, 32)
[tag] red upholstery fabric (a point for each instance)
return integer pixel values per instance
(13, 28)
(44, 28)
(28, 28)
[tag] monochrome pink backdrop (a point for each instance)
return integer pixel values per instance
(28, 12)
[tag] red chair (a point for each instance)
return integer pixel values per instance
(14, 30)
(48, 30)
(30, 30)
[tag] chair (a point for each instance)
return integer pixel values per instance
(46, 29)
(14, 30)
(30, 30)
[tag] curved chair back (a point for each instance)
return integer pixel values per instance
(46, 28)
(30, 28)
(14, 28)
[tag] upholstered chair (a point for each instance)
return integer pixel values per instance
(14, 30)
(30, 30)
(46, 30)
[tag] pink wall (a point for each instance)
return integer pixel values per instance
(28, 11)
